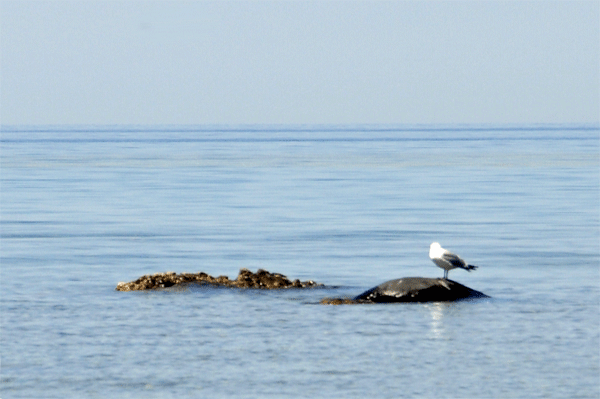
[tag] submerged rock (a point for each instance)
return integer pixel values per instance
(245, 279)
(340, 301)
(411, 289)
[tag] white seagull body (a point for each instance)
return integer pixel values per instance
(447, 260)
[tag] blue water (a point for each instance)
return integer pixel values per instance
(83, 208)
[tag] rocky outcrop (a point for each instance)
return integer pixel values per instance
(411, 289)
(245, 279)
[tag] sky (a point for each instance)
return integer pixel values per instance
(299, 62)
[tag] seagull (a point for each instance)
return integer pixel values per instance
(447, 260)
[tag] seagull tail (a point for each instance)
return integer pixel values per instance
(471, 267)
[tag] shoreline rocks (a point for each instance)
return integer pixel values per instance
(262, 279)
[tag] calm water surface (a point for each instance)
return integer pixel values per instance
(348, 206)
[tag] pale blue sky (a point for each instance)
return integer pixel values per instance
(174, 62)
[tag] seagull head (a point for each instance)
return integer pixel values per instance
(435, 250)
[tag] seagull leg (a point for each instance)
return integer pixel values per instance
(446, 274)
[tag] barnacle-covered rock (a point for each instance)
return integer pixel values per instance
(245, 279)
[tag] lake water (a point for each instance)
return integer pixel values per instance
(83, 208)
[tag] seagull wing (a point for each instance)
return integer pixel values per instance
(454, 260)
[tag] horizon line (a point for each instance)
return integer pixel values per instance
(295, 127)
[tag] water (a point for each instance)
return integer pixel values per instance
(83, 208)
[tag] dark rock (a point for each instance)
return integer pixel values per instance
(418, 289)
(245, 279)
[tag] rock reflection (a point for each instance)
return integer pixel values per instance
(437, 310)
